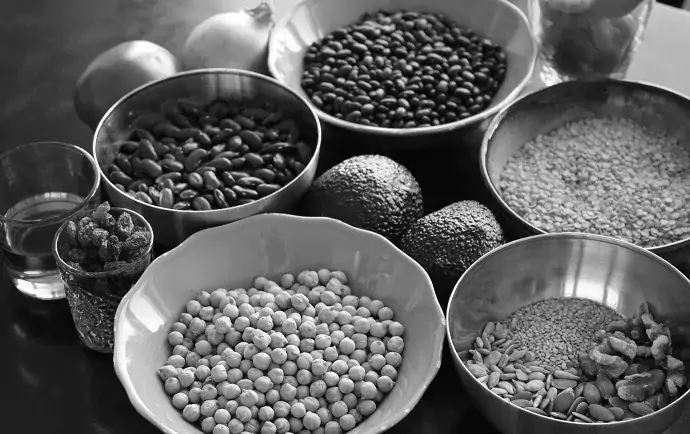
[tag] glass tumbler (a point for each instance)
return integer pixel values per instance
(587, 39)
(41, 185)
(93, 297)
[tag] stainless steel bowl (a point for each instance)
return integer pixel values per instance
(204, 86)
(615, 273)
(654, 107)
(498, 20)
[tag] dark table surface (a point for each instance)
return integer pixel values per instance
(54, 384)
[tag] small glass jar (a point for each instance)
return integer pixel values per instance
(94, 297)
(587, 39)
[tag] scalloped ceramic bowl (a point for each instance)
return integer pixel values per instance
(498, 20)
(231, 256)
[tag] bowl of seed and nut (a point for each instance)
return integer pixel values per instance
(609, 157)
(207, 147)
(274, 330)
(573, 332)
(403, 68)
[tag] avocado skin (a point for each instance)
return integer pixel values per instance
(451, 239)
(370, 192)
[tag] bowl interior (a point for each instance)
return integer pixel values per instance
(656, 109)
(231, 256)
(613, 273)
(199, 87)
(311, 20)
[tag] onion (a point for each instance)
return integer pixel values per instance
(231, 40)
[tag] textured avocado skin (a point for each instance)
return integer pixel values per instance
(370, 192)
(449, 240)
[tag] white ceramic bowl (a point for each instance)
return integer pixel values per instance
(231, 256)
(498, 20)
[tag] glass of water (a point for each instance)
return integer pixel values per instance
(41, 185)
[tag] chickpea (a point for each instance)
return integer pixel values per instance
(246, 384)
(304, 377)
(346, 385)
(263, 384)
(209, 407)
(298, 410)
(318, 388)
(330, 354)
(231, 311)
(359, 356)
(236, 426)
(308, 278)
(290, 368)
(302, 391)
(389, 371)
(307, 345)
(243, 413)
(337, 336)
(202, 372)
(378, 330)
(248, 398)
(328, 314)
(311, 421)
(278, 317)
(265, 323)
(219, 373)
(287, 280)
(221, 429)
(290, 326)
(191, 412)
(276, 375)
(180, 400)
(281, 409)
(203, 348)
(332, 427)
(296, 425)
(299, 302)
(208, 392)
(347, 422)
(175, 338)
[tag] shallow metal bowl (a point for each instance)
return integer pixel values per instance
(615, 273)
(498, 20)
(656, 108)
(204, 86)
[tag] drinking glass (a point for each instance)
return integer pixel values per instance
(93, 297)
(587, 39)
(41, 185)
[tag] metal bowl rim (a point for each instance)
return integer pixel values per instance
(556, 236)
(207, 71)
(495, 123)
(420, 131)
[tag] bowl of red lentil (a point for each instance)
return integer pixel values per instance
(573, 333)
(608, 157)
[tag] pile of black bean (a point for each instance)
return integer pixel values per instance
(188, 157)
(403, 70)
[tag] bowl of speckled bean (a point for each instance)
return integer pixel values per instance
(608, 157)
(573, 333)
(405, 68)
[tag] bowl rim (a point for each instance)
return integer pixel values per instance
(119, 356)
(497, 121)
(419, 131)
(208, 71)
(554, 237)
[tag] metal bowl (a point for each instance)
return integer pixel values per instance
(612, 272)
(654, 107)
(498, 20)
(204, 86)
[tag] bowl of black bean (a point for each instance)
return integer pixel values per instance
(404, 68)
(205, 148)
(573, 333)
(608, 157)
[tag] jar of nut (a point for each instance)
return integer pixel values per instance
(587, 39)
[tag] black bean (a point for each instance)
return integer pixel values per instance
(143, 197)
(188, 194)
(211, 181)
(244, 193)
(219, 199)
(182, 205)
(201, 203)
(254, 160)
(230, 195)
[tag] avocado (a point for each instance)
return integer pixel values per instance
(370, 192)
(449, 240)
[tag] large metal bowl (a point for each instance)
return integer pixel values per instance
(498, 20)
(615, 273)
(204, 86)
(654, 107)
